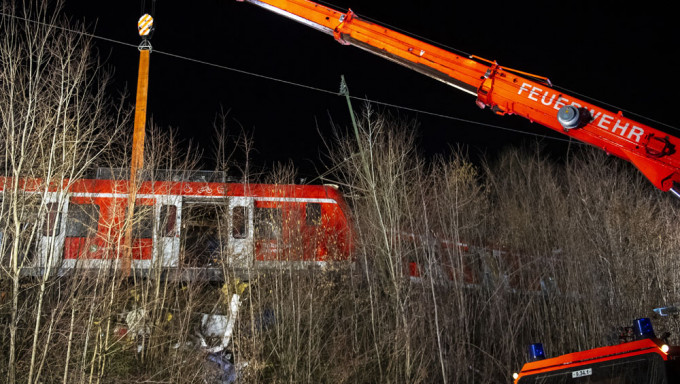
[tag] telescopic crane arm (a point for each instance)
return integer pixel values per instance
(502, 90)
(145, 28)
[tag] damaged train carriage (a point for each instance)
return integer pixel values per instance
(183, 229)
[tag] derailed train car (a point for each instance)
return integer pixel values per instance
(465, 265)
(184, 229)
(197, 230)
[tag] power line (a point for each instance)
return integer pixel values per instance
(242, 71)
(292, 83)
(64, 29)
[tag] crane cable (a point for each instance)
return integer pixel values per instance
(153, 8)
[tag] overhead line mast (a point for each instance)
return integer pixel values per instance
(502, 90)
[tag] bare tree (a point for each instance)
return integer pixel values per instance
(56, 121)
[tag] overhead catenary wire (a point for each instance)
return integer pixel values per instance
(377, 102)
(311, 87)
(305, 86)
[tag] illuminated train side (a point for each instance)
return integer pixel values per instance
(185, 228)
(197, 230)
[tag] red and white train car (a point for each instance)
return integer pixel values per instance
(191, 228)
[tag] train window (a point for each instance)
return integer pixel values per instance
(472, 266)
(313, 214)
(29, 217)
(268, 223)
(142, 222)
(82, 220)
(51, 226)
(168, 220)
(239, 222)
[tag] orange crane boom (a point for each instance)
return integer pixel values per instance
(502, 90)
(145, 27)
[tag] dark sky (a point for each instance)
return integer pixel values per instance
(622, 55)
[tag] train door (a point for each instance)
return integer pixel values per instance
(166, 244)
(202, 233)
(81, 232)
(52, 233)
(240, 232)
(40, 232)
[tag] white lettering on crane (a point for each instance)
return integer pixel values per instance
(600, 119)
(550, 101)
(605, 121)
(637, 132)
(534, 92)
(523, 88)
(594, 114)
(618, 125)
(560, 103)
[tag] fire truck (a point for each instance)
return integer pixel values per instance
(645, 359)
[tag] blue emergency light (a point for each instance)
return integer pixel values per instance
(643, 329)
(536, 352)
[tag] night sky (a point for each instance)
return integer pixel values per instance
(621, 55)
